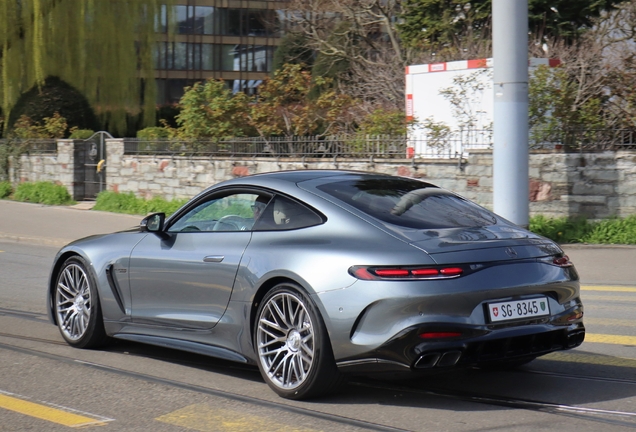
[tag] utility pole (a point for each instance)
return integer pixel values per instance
(510, 155)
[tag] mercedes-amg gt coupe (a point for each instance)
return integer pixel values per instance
(314, 275)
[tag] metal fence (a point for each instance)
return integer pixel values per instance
(578, 140)
(32, 146)
(450, 145)
(299, 146)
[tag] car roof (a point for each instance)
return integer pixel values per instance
(296, 176)
(303, 175)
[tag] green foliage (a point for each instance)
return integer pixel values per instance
(210, 110)
(42, 193)
(153, 132)
(103, 48)
(562, 230)
(581, 230)
(5, 189)
(283, 106)
(81, 134)
(614, 231)
(565, 19)
(55, 96)
(129, 203)
(384, 122)
(556, 106)
(432, 24)
(53, 127)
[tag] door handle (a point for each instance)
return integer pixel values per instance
(213, 258)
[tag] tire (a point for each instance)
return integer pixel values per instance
(77, 309)
(293, 348)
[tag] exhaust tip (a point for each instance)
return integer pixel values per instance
(449, 358)
(427, 361)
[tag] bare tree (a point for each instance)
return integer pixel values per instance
(361, 34)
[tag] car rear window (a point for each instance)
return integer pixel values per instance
(409, 203)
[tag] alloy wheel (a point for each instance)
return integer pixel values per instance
(73, 301)
(285, 340)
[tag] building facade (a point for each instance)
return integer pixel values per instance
(233, 40)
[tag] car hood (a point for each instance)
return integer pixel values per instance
(481, 244)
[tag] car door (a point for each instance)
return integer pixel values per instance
(183, 276)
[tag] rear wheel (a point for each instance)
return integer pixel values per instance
(77, 309)
(295, 356)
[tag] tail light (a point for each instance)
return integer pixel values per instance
(405, 273)
(563, 261)
(440, 335)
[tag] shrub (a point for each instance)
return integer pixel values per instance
(52, 127)
(128, 203)
(42, 193)
(81, 134)
(54, 96)
(562, 230)
(581, 230)
(5, 189)
(153, 133)
(613, 231)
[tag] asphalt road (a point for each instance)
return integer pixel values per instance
(47, 386)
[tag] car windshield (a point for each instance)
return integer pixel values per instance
(409, 203)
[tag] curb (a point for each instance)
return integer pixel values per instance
(596, 246)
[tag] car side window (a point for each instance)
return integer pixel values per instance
(231, 212)
(285, 214)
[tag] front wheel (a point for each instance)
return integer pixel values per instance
(77, 309)
(294, 352)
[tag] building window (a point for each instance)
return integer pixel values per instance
(212, 57)
(228, 55)
(204, 20)
(182, 15)
(208, 58)
(209, 20)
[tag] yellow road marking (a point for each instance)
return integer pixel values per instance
(610, 339)
(608, 288)
(47, 413)
(204, 418)
(592, 359)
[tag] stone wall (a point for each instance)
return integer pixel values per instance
(52, 167)
(596, 185)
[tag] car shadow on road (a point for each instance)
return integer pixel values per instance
(575, 378)
(198, 361)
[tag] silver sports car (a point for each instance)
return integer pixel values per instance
(313, 275)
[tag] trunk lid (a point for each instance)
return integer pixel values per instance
(482, 244)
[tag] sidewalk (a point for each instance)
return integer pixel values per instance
(56, 226)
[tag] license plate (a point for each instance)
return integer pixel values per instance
(511, 310)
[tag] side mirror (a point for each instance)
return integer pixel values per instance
(152, 223)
